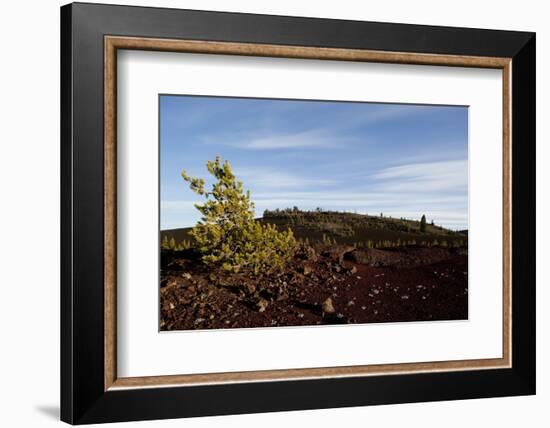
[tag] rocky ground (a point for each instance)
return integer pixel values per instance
(326, 285)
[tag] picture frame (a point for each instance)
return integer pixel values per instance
(91, 390)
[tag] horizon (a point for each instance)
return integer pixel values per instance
(338, 212)
(401, 160)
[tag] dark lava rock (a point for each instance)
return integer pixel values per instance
(374, 257)
(399, 257)
(336, 252)
(305, 252)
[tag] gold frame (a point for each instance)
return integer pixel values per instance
(113, 43)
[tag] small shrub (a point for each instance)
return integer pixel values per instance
(228, 235)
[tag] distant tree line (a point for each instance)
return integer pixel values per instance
(342, 223)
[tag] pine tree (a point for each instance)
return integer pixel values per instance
(227, 234)
(423, 224)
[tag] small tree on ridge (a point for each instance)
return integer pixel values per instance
(423, 224)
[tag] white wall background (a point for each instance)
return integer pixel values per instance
(29, 177)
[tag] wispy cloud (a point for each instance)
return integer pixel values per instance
(314, 136)
(262, 179)
(429, 169)
(310, 139)
(424, 177)
(274, 140)
(378, 114)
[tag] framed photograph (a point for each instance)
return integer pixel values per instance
(266, 213)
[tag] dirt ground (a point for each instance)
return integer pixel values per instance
(328, 285)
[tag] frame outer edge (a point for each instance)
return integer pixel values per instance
(82, 394)
(66, 152)
(524, 215)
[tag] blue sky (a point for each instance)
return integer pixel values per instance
(402, 160)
